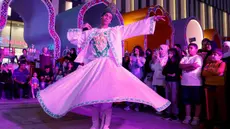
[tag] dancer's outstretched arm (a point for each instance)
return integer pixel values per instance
(142, 27)
(77, 36)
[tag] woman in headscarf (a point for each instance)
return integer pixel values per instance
(226, 49)
(226, 59)
(206, 52)
(209, 47)
(158, 78)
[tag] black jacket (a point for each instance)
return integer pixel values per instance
(171, 68)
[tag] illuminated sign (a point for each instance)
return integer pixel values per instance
(4, 42)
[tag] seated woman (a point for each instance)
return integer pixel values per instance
(214, 86)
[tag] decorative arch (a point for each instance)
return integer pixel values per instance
(51, 23)
(158, 10)
(4, 10)
(51, 27)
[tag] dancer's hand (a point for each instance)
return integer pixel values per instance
(159, 18)
(87, 25)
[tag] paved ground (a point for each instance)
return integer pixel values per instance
(27, 114)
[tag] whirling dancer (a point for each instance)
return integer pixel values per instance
(102, 80)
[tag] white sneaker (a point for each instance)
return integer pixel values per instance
(127, 108)
(136, 109)
(195, 121)
(187, 120)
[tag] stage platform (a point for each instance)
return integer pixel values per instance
(27, 114)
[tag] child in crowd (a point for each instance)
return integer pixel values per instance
(213, 73)
(34, 83)
(191, 82)
(59, 75)
(172, 72)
